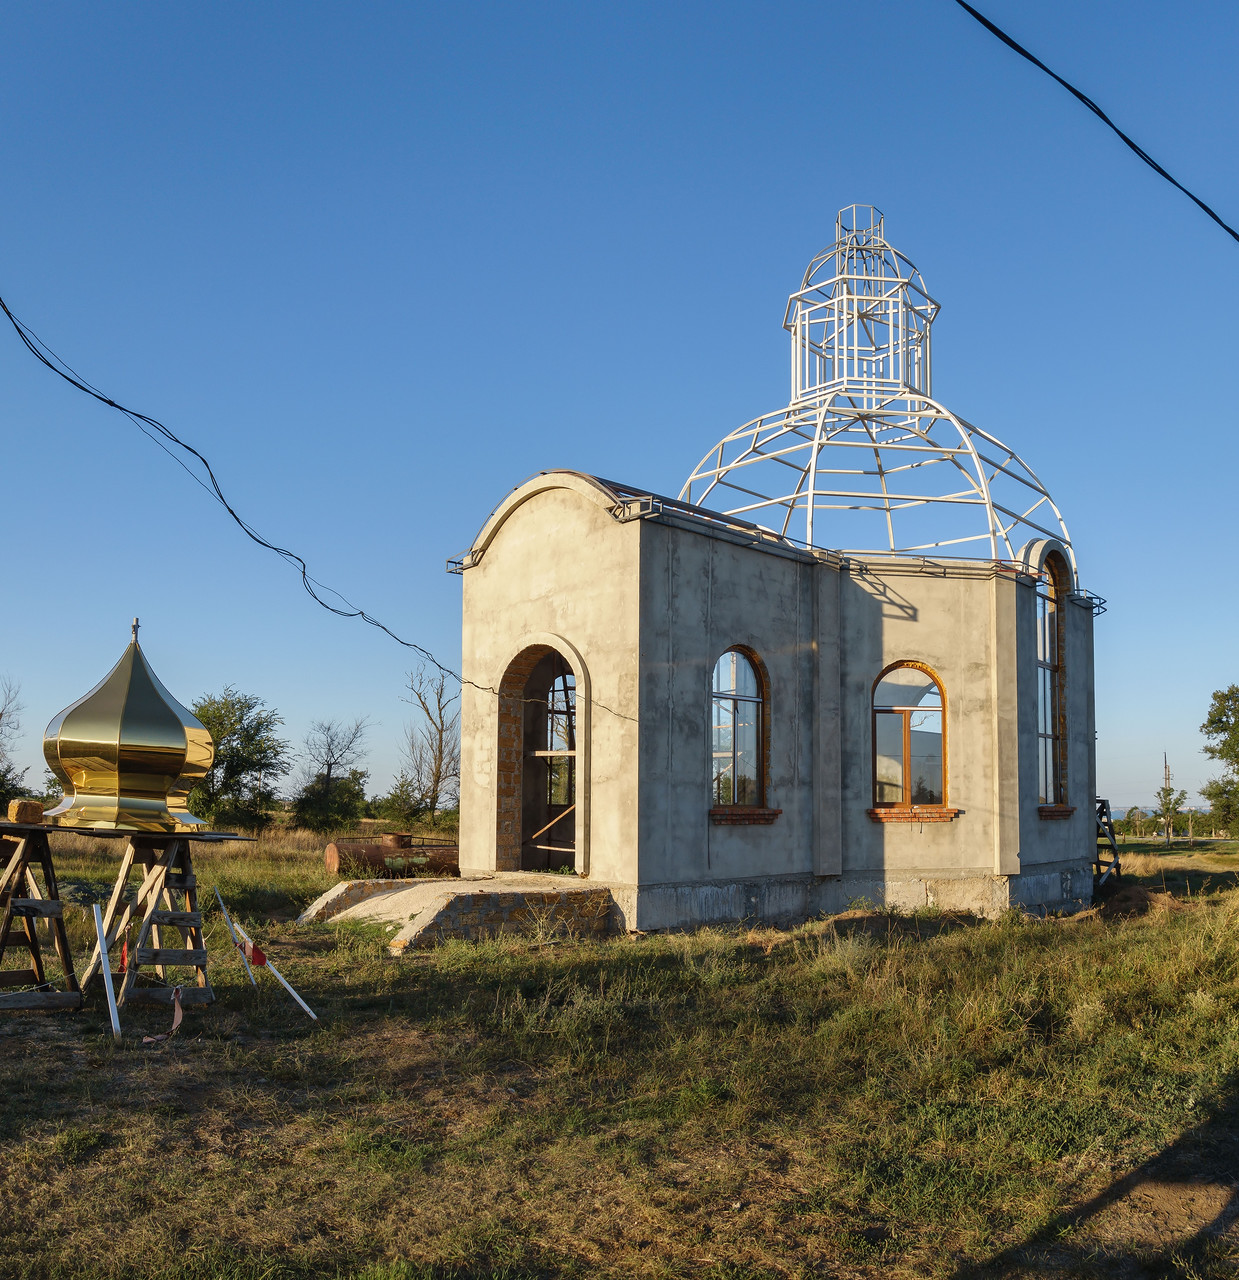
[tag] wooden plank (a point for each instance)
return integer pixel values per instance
(16, 977)
(182, 882)
(9, 879)
(182, 919)
(41, 1000)
(168, 955)
(41, 907)
(122, 879)
(113, 930)
(163, 995)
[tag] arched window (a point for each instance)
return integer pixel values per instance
(737, 731)
(909, 738)
(1051, 729)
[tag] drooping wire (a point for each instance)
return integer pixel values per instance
(1098, 112)
(163, 436)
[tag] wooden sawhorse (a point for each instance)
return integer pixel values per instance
(167, 870)
(22, 847)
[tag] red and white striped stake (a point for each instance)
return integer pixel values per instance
(245, 944)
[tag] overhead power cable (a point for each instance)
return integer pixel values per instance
(163, 436)
(1098, 112)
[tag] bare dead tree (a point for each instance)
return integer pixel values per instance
(10, 711)
(12, 779)
(333, 747)
(431, 748)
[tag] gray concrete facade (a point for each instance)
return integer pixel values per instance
(641, 595)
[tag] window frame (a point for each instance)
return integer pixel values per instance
(1051, 723)
(906, 805)
(736, 812)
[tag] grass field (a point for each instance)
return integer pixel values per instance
(871, 1095)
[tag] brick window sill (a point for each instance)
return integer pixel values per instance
(928, 813)
(740, 815)
(1054, 812)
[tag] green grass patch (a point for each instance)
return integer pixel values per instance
(868, 1096)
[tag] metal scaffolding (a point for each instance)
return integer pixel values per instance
(862, 433)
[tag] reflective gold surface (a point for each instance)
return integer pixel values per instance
(127, 753)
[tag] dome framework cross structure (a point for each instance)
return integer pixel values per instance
(862, 433)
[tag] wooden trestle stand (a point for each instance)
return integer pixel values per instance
(165, 911)
(167, 873)
(22, 847)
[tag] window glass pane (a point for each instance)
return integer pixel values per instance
(903, 687)
(723, 739)
(926, 761)
(561, 714)
(746, 729)
(1044, 766)
(1043, 700)
(560, 782)
(888, 762)
(733, 673)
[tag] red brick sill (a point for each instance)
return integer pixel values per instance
(1054, 812)
(926, 813)
(741, 815)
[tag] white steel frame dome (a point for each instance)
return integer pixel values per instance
(862, 433)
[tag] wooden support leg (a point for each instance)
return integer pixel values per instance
(122, 878)
(40, 905)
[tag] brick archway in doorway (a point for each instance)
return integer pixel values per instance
(511, 752)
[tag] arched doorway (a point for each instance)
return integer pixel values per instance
(538, 764)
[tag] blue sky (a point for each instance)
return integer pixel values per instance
(381, 262)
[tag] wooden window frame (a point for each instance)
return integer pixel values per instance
(736, 814)
(905, 810)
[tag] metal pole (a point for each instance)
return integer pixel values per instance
(233, 932)
(106, 972)
(283, 981)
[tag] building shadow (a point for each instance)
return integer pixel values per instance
(1171, 1216)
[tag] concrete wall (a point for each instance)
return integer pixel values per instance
(701, 596)
(556, 569)
(645, 606)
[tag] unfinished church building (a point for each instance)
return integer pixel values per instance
(706, 706)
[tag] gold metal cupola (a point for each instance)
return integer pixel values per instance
(127, 753)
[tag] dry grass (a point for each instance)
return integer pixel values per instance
(875, 1096)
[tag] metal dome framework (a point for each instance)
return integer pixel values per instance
(863, 434)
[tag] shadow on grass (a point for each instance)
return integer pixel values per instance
(1189, 1190)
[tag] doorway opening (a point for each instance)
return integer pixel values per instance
(537, 799)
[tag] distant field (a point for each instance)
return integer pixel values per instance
(872, 1095)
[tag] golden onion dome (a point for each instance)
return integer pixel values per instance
(127, 753)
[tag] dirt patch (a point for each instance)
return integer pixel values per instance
(1158, 1215)
(1133, 900)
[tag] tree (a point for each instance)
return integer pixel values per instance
(1221, 729)
(12, 779)
(1169, 803)
(249, 757)
(331, 752)
(328, 805)
(431, 749)
(1135, 819)
(403, 805)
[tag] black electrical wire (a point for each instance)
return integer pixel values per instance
(160, 434)
(1097, 111)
